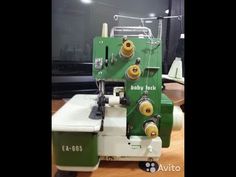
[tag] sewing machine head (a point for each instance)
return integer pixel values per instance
(136, 62)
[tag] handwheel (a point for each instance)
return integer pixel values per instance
(149, 166)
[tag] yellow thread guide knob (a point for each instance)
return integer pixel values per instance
(146, 108)
(127, 49)
(151, 130)
(134, 72)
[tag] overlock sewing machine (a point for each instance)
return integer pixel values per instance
(133, 124)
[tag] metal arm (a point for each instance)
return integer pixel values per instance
(160, 19)
(145, 30)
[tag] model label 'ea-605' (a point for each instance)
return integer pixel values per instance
(73, 148)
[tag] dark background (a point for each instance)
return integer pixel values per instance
(26, 80)
(75, 24)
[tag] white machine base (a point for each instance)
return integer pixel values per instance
(137, 148)
(113, 144)
(78, 168)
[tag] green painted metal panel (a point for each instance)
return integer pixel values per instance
(150, 79)
(75, 148)
(166, 121)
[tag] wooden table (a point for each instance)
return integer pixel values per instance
(175, 92)
(171, 161)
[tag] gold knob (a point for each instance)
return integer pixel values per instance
(133, 72)
(146, 108)
(127, 49)
(151, 130)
